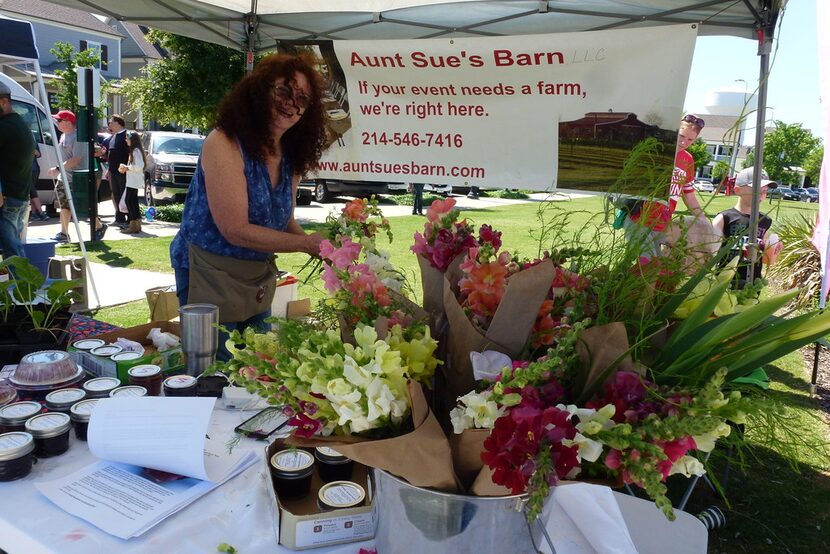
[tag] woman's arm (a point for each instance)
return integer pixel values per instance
(227, 194)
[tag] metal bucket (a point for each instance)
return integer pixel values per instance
(412, 520)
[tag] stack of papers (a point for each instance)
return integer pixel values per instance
(156, 459)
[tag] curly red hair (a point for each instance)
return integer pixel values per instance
(246, 113)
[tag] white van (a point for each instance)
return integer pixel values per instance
(37, 117)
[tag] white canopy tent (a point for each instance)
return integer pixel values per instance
(259, 25)
(17, 45)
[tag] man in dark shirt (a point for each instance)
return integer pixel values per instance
(17, 149)
(733, 224)
(118, 152)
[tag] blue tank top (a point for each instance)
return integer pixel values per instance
(267, 206)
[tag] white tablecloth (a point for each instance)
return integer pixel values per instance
(240, 513)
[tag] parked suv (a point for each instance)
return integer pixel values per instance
(171, 163)
(325, 190)
(809, 195)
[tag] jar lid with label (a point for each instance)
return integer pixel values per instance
(330, 455)
(340, 494)
(106, 350)
(19, 412)
(88, 344)
(129, 390)
(15, 445)
(292, 464)
(144, 370)
(48, 425)
(101, 386)
(63, 399)
(126, 356)
(81, 411)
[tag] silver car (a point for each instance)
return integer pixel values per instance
(171, 163)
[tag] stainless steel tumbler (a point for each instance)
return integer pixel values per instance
(200, 336)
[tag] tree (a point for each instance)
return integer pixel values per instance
(720, 171)
(700, 154)
(67, 85)
(812, 165)
(186, 87)
(786, 148)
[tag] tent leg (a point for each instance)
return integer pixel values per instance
(42, 88)
(764, 48)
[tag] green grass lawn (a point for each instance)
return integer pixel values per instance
(773, 506)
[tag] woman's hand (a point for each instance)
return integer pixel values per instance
(313, 241)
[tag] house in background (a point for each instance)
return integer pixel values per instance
(720, 135)
(123, 48)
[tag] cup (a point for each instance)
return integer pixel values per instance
(200, 336)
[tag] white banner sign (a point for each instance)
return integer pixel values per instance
(499, 112)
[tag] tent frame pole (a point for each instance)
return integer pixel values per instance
(54, 130)
(765, 32)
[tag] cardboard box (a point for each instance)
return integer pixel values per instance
(170, 361)
(300, 525)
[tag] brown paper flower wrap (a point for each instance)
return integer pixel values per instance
(432, 281)
(508, 332)
(422, 457)
(598, 348)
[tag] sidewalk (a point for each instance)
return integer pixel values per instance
(117, 285)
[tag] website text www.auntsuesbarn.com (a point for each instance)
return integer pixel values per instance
(406, 168)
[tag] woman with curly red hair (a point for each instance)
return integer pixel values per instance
(270, 130)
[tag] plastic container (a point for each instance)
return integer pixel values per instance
(332, 465)
(51, 433)
(291, 473)
(147, 376)
(80, 414)
(101, 387)
(340, 494)
(38, 251)
(129, 390)
(16, 455)
(180, 385)
(13, 416)
(63, 399)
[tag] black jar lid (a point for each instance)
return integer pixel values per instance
(341, 494)
(45, 426)
(63, 399)
(144, 371)
(292, 464)
(129, 390)
(18, 412)
(82, 411)
(330, 455)
(15, 445)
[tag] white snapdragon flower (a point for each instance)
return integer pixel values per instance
(589, 449)
(687, 466)
(476, 410)
(460, 420)
(383, 402)
(706, 442)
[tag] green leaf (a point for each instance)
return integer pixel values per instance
(701, 314)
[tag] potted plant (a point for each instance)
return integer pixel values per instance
(35, 311)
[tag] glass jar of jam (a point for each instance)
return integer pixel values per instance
(291, 473)
(127, 356)
(13, 416)
(180, 385)
(79, 414)
(332, 465)
(101, 387)
(63, 399)
(51, 433)
(147, 376)
(129, 390)
(106, 350)
(340, 494)
(16, 455)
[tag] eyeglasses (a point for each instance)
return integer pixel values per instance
(300, 99)
(694, 120)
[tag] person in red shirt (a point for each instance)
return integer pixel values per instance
(649, 225)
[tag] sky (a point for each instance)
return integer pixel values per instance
(793, 92)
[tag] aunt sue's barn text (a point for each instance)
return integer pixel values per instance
(500, 58)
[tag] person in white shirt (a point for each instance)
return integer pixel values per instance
(134, 170)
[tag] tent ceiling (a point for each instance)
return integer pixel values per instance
(226, 21)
